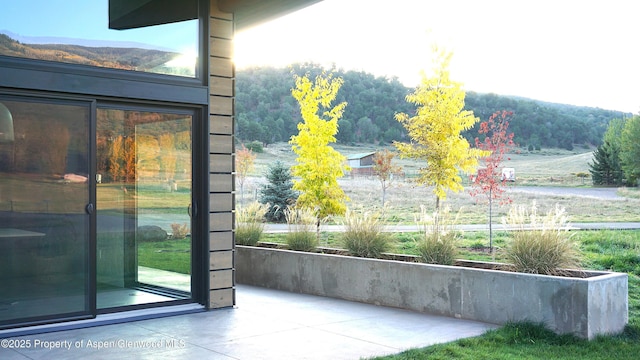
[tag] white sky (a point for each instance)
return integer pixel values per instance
(581, 52)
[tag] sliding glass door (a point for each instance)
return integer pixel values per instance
(45, 210)
(144, 192)
(92, 227)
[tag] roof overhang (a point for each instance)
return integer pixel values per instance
(130, 14)
(248, 13)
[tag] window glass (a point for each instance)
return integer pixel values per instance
(143, 201)
(44, 228)
(77, 32)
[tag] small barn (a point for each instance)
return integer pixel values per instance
(361, 164)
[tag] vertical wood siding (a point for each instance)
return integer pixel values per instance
(221, 159)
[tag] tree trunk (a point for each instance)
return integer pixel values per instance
(490, 222)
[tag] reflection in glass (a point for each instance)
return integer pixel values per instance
(80, 34)
(144, 191)
(43, 224)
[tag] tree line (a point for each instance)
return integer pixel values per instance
(267, 112)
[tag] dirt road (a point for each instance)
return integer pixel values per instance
(593, 193)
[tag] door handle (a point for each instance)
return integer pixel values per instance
(192, 210)
(89, 208)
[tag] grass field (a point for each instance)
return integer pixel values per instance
(557, 168)
(170, 255)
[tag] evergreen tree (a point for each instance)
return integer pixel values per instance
(600, 169)
(278, 192)
(606, 168)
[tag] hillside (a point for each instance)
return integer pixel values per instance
(127, 58)
(267, 112)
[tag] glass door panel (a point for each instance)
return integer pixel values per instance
(44, 225)
(143, 196)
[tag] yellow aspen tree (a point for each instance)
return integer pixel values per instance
(318, 165)
(116, 159)
(168, 156)
(435, 130)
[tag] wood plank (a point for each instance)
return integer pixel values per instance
(221, 183)
(221, 47)
(221, 28)
(221, 86)
(220, 105)
(220, 124)
(219, 241)
(221, 298)
(220, 279)
(221, 260)
(221, 67)
(221, 144)
(222, 221)
(221, 202)
(220, 163)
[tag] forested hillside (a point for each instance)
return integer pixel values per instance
(266, 111)
(112, 57)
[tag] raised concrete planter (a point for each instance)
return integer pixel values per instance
(587, 307)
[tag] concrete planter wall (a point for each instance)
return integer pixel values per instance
(597, 304)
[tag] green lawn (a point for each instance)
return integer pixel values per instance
(170, 255)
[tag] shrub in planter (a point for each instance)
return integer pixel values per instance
(363, 235)
(301, 223)
(439, 243)
(541, 244)
(249, 223)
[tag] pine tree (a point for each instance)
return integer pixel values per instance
(278, 192)
(606, 168)
(599, 168)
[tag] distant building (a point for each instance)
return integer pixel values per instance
(509, 174)
(361, 164)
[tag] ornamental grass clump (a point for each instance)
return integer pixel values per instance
(363, 234)
(541, 244)
(250, 223)
(439, 243)
(301, 223)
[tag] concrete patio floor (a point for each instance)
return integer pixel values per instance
(266, 324)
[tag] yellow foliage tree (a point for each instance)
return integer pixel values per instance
(435, 130)
(318, 165)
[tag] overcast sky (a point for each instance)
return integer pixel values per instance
(581, 52)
